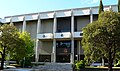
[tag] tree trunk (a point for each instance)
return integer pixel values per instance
(110, 66)
(103, 62)
(110, 61)
(17, 61)
(3, 58)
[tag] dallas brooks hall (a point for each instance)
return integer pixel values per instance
(57, 33)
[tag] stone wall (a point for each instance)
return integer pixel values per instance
(97, 69)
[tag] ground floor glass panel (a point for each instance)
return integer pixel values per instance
(63, 50)
(44, 58)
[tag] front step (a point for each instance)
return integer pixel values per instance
(55, 67)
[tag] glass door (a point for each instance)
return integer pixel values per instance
(63, 50)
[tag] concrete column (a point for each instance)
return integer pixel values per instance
(37, 40)
(53, 56)
(24, 25)
(79, 50)
(91, 16)
(72, 51)
(10, 20)
(36, 51)
(38, 24)
(72, 38)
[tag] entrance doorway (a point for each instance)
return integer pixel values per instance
(63, 50)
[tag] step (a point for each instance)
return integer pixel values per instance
(55, 67)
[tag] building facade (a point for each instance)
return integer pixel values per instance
(58, 33)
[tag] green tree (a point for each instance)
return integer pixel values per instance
(118, 5)
(101, 38)
(29, 46)
(9, 41)
(101, 7)
(26, 50)
(29, 43)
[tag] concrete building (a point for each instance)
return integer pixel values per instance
(57, 33)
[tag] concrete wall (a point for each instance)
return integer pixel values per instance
(19, 25)
(82, 21)
(31, 27)
(47, 26)
(45, 47)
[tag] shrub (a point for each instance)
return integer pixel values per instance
(25, 62)
(117, 64)
(80, 64)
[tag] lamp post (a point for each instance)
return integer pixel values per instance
(76, 57)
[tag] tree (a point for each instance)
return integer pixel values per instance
(118, 5)
(101, 7)
(101, 38)
(29, 43)
(9, 41)
(28, 48)
(25, 51)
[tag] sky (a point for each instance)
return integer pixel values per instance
(18, 7)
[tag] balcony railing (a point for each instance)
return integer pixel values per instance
(63, 35)
(45, 36)
(78, 34)
(59, 35)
